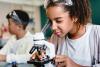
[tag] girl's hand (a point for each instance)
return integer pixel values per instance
(61, 61)
(64, 61)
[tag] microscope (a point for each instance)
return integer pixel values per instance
(40, 44)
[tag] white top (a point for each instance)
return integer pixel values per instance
(78, 49)
(84, 50)
(18, 50)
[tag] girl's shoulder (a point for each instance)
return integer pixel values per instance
(95, 30)
(94, 27)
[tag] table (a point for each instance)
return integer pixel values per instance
(4, 64)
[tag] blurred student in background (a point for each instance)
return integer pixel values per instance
(18, 46)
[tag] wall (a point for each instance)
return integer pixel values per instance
(33, 12)
(44, 20)
(4, 9)
(95, 5)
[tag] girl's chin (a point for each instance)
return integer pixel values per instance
(60, 36)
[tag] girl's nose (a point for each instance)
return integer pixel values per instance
(54, 26)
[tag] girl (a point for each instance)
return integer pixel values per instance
(73, 34)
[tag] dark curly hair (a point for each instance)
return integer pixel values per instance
(79, 9)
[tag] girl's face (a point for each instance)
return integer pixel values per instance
(61, 23)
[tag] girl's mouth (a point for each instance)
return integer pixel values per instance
(58, 33)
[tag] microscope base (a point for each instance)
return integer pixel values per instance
(39, 63)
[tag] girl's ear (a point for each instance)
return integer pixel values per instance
(75, 19)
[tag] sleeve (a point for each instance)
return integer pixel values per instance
(18, 58)
(6, 49)
(22, 57)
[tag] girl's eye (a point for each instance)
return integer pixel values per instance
(58, 21)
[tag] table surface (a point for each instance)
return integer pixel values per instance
(4, 64)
